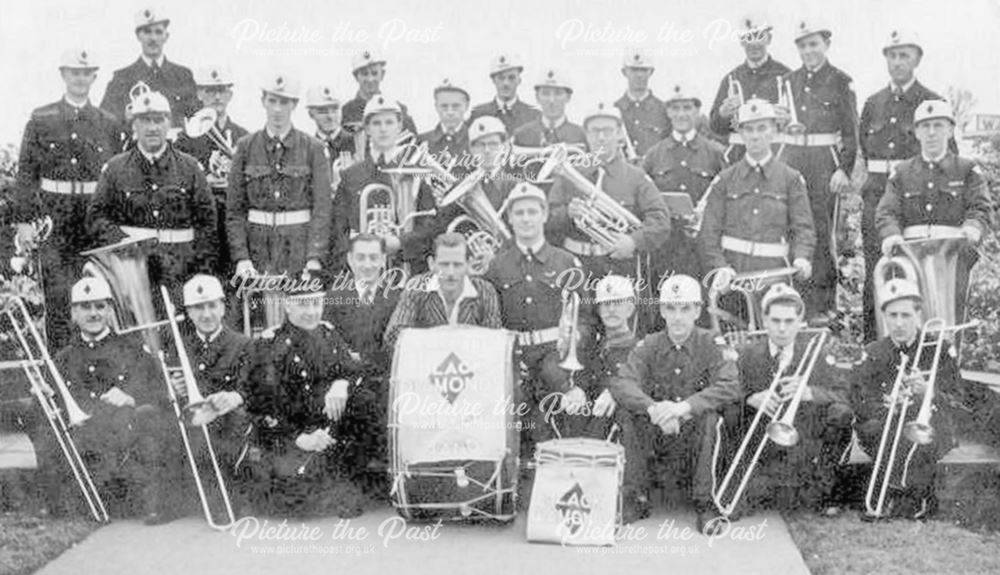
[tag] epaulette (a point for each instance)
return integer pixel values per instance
(45, 111)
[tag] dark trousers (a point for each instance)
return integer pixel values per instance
(871, 194)
(541, 377)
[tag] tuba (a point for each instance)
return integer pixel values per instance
(606, 220)
(484, 229)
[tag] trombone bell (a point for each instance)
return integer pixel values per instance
(919, 432)
(782, 433)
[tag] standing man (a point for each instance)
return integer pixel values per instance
(278, 202)
(936, 193)
(823, 148)
(369, 71)
(153, 190)
(174, 81)
(903, 307)
(756, 78)
(64, 146)
(888, 138)
(672, 386)
(448, 142)
(644, 115)
(487, 144)
(684, 162)
(215, 91)
(553, 91)
(627, 185)
(505, 72)
(757, 216)
(324, 109)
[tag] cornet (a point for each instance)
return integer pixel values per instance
(736, 89)
(569, 329)
(203, 123)
(779, 429)
(786, 98)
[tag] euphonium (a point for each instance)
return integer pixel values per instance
(484, 229)
(377, 210)
(569, 330)
(202, 123)
(606, 221)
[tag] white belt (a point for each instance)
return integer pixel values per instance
(292, 218)
(180, 236)
(63, 187)
(537, 337)
(930, 231)
(585, 248)
(812, 140)
(883, 166)
(755, 249)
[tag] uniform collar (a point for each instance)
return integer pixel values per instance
(149, 61)
(96, 338)
(787, 352)
(904, 88)
(762, 163)
(759, 65)
(509, 104)
(685, 138)
(535, 249)
(283, 137)
(673, 345)
(329, 137)
(549, 125)
(935, 161)
(210, 337)
(634, 100)
(77, 107)
(152, 158)
(622, 339)
(822, 67)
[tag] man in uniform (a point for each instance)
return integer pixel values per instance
(505, 72)
(449, 296)
(873, 381)
(215, 91)
(220, 358)
(172, 80)
(672, 386)
(756, 78)
(627, 186)
(531, 275)
(823, 148)
(156, 191)
(383, 124)
(369, 71)
(553, 91)
(448, 142)
(644, 115)
(684, 162)
(887, 138)
(64, 146)
(936, 194)
(802, 474)
(128, 442)
(311, 420)
(757, 216)
(488, 144)
(324, 109)
(278, 202)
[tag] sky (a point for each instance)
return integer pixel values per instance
(425, 42)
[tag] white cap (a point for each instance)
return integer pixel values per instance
(682, 93)
(603, 110)
(680, 289)
(447, 86)
(897, 289)
(636, 58)
(504, 62)
(782, 292)
(753, 25)
(552, 78)
(485, 126)
(202, 288)
(522, 191)
(806, 28)
(899, 38)
(90, 289)
(213, 76)
(756, 109)
(321, 97)
(148, 16)
(613, 288)
(364, 59)
(380, 103)
(150, 103)
(78, 59)
(282, 85)
(933, 109)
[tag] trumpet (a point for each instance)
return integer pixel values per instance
(37, 355)
(735, 89)
(786, 98)
(780, 429)
(606, 221)
(569, 330)
(918, 431)
(203, 123)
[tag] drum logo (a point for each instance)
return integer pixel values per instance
(574, 507)
(451, 377)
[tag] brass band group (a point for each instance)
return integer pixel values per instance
(668, 274)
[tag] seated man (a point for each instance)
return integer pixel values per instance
(220, 358)
(449, 296)
(128, 442)
(903, 308)
(672, 385)
(803, 474)
(308, 414)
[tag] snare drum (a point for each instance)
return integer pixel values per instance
(453, 435)
(576, 499)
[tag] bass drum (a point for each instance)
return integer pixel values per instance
(453, 432)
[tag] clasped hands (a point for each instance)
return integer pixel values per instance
(667, 415)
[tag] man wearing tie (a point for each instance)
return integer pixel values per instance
(505, 72)
(645, 115)
(448, 142)
(553, 92)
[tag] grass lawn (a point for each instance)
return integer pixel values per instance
(28, 542)
(846, 545)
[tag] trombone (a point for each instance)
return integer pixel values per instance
(196, 414)
(780, 429)
(43, 392)
(918, 431)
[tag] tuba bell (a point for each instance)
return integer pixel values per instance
(484, 229)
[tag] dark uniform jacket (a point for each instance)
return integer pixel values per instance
(362, 324)
(354, 113)
(757, 368)
(266, 176)
(292, 371)
(688, 167)
(826, 104)
(512, 117)
(951, 192)
(695, 371)
(341, 142)
(534, 134)
(646, 121)
(174, 81)
(760, 82)
(220, 363)
(445, 146)
(203, 146)
(91, 368)
(170, 194)
(769, 206)
(602, 364)
(886, 127)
